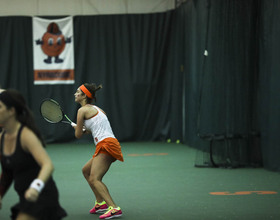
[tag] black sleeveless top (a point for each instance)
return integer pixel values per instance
(21, 164)
(25, 169)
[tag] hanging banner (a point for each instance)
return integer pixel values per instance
(53, 53)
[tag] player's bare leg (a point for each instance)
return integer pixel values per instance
(100, 165)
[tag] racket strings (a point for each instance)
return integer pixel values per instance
(51, 112)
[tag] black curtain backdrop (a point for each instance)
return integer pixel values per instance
(269, 79)
(157, 83)
(227, 97)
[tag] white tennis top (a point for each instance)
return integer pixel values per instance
(99, 126)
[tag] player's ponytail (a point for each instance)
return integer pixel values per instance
(92, 88)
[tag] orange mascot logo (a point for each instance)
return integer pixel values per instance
(53, 43)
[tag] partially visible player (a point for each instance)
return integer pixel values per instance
(1, 90)
(25, 161)
(108, 149)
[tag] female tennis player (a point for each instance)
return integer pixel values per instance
(25, 161)
(1, 90)
(108, 149)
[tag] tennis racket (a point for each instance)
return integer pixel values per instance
(52, 112)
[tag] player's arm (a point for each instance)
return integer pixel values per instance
(6, 178)
(79, 131)
(31, 143)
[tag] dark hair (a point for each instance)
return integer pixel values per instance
(13, 99)
(92, 88)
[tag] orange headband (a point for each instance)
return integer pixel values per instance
(85, 90)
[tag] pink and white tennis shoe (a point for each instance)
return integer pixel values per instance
(111, 213)
(99, 208)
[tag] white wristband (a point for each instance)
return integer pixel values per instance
(37, 184)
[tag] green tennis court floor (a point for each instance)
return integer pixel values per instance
(159, 181)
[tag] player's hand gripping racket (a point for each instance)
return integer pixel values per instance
(53, 113)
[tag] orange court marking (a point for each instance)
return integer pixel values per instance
(242, 193)
(147, 154)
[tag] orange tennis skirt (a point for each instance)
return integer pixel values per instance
(109, 146)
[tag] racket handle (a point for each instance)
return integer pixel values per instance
(73, 125)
